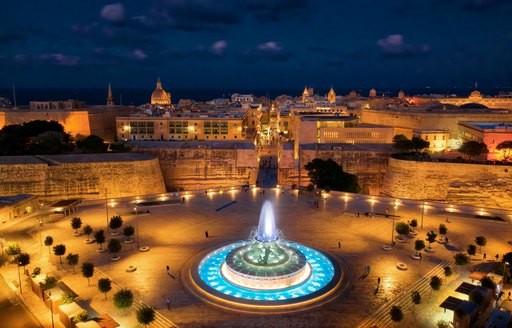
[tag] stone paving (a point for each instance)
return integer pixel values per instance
(175, 234)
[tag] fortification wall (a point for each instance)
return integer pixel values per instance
(430, 120)
(62, 176)
(369, 165)
(469, 184)
(199, 168)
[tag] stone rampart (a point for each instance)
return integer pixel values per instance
(81, 176)
(458, 183)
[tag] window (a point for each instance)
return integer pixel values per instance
(207, 125)
(435, 137)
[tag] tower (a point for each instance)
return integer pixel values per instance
(331, 96)
(110, 99)
(305, 94)
(159, 96)
(373, 93)
(401, 94)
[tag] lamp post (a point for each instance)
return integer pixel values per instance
(106, 207)
(423, 213)
(136, 226)
(393, 231)
(51, 306)
(19, 276)
(504, 272)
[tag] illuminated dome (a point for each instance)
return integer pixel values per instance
(159, 96)
(475, 94)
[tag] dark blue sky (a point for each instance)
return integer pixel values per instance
(256, 43)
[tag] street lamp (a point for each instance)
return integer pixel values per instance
(106, 207)
(51, 305)
(19, 276)
(504, 272)
(423, 213)
(136, 226)
(393, 231)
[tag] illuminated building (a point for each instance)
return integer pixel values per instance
(110, 98)
(490, 133)
(331, 96)
(159, 96)
(475, 98)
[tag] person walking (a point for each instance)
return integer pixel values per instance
(168, 303)
(497, 257)
(168, 269)
(485, 256)
(339, 244)
(183, 200)
(378, 281)
(206, 234)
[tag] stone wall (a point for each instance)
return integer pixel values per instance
(368, 162)
(81, 176)
(203, 164)
(469, 184)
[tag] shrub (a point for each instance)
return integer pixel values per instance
(67, 298)
(81, 316)
(145, 315)
(123, 299)
(48, 283)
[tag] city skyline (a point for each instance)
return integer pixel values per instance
(257, 44)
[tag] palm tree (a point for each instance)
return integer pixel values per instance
(87, 231)
(59, 250)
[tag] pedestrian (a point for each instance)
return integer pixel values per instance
(485, 256)
(339, 244)
(378, 281)
(206, 234)
(509, 295)
(183, 200)
(421, 256)
(497, 257)
(168, 303)
(168, 268)
(357, 214)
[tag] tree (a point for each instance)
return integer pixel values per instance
(413, 224)
(115, 222)
(396, 314)
(461, 259)
(419, 144)
(99, 236)
(402, 228)
(76, 223)
(50, 143)
(447, 271)
(48, 283)
(481, 241)
(330, 175)
(87, 231)
(114, 246)
(473, 148)
(443, 230)
(23, 259)
(476, 296)
(87, 271)
(431, 237)
(435, 283)
(123, 299)
(402, 143)
(128, 232)
(13, 249)
(104, 286)
(489, 283)
(471, 250)
(59, 250)
(506, 149)
(67, 298)
(416, 297)
(91, 144)
(72, 259)
(48, 241)
(419, 245)
(145, 315)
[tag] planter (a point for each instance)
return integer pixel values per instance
(416, 257)
(102, 250)
(90, 241)
(387, 247)
(441, 241)
(76, 234)
(115, 258)
(400, 240)
(115, 233)
(429, 250)
(144, 248)
(413, 233)
(401, 266)
(129, 241)
(131, 268)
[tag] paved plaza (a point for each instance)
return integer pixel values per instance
(176, 232)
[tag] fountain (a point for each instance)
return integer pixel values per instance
(265, 273)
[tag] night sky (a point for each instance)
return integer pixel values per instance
(256, 43)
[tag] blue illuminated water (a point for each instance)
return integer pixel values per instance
(322, 273)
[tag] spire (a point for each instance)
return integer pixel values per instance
(158, 84)
(110, 99)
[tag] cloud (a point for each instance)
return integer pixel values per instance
(139, 54)
(394, 46)
(113, 12)
(60, 59)
(218, 47)
(270, 51)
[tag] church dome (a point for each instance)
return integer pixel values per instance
(159, 96)
(475, 94)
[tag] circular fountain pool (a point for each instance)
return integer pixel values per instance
(265, 273)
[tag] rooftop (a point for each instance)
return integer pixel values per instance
(73, 158)
(12, 200)
(489, 125)
(349, 147)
